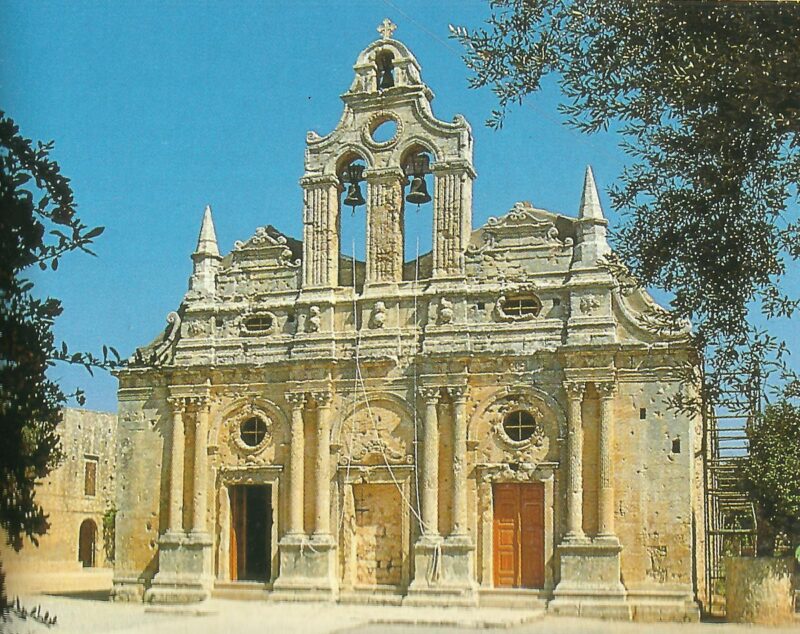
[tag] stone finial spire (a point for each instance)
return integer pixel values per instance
(590, 200)
(591, 232)
(207, 241)
(205, 257)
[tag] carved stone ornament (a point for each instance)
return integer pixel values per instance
(445, 315)
(373, 123)
(378, 317)
(589, 304)
(163, 351)
(507, 472)
(314, 319)
(513, 403)
(364, 446)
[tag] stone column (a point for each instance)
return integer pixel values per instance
(320, 235)
(575, 392)
(296, 463)
(605, 497)
(459, 396)
(175, 517)
(452, 216)
(430, 463)
(322, 524)
(385, 225)
(199, 484)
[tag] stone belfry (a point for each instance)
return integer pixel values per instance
(387, 90)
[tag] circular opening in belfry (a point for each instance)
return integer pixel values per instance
(253, 431)
(384, 131)
(519, 425)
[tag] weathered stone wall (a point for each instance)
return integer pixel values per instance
(84, 435)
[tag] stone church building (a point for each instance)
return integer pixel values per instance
(487, 424)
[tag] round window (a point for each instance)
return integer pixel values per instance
(519, 425)
(384, 131)
(253, 431)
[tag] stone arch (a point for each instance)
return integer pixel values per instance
(509, 390)
(239, 408)
(415, 143)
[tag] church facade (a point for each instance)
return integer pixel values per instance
(487, 424)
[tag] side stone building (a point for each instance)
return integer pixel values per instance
(488, 423)
(78, 498)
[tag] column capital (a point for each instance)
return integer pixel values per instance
(458, 393)
(296, 399)
(198, 402)
(319, 180)
(455, 166)
(430, 394)
(605, 389)
(322, 398)
(177, 404)
(574, 389)
(377, 174)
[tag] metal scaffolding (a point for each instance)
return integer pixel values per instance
(730, 519)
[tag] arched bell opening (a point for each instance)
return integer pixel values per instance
(87, 543)
(384, 62)
(351, 227)
(418, 220)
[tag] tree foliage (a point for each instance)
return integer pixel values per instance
(706, 96)
(771, 475)
(38, 225)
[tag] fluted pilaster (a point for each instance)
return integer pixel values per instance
(296, 463)
(430, 463)
(605, 497)
(320, 235)
(575, 391)
(177, 447)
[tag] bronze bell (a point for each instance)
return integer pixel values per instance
(354, 196)
(386, 78)
(418, 192)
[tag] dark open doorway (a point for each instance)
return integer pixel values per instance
(86, 543)
(251, 532)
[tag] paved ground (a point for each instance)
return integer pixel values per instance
(85, 614)
(79, 601)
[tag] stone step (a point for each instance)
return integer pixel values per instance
(525, 598)
(373, 596)
(240, 590)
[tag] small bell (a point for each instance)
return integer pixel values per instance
(418, 192)
(354, 196)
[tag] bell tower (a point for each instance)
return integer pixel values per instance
(387, 92)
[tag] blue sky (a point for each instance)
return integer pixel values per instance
(159, 108)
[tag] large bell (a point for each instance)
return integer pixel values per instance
(354, 196)
(386, 78)
(418, 192)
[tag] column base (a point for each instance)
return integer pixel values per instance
(127, 587)
(590, 580)
(443, 573)
(307, 569)
(184, 569)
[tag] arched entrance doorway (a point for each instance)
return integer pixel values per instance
(86, 543)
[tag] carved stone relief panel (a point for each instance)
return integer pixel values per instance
(376, 433)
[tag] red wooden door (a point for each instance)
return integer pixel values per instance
(531, 535)
(506, 535)
(519, 535)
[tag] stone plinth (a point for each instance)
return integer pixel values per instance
(759, 590)
(308, 569)
(443, 574)
(184, 569)
(590, 580)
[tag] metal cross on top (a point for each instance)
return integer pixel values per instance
(387, 28)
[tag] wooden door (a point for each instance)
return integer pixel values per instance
(519, 535)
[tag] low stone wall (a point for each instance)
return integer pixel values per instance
(759, 590)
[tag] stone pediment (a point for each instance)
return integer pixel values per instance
(268, 248)
(526, 224)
